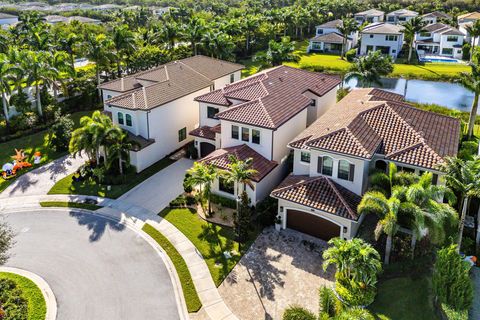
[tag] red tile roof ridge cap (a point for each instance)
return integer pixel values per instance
(307, 179)
(123, 95)
(340, 197)
(402, 120)
(302, 140)
(358, 143)
(186, 65)
(413, 146)
(408, 105)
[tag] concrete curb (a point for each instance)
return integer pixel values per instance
(51, 302)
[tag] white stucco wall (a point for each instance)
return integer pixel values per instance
(223, 81)
(379, 40)
(323, 103)
(107, 94)
(286, 133)
(204, 120)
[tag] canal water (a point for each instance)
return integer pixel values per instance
(450, 95)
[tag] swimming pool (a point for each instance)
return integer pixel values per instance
(439, 59)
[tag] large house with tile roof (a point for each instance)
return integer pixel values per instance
(435, 17)
(400, 16)
(440, 39)
(386, 37)
(329, 39)
(256, 118)
(366, 130)
(157, 106)
(369, 16)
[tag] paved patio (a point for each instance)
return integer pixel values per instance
(279, 270)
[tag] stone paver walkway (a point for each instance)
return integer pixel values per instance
(279, 270)
(156, 192)
(134, 215)
(39, 181)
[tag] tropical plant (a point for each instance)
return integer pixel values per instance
(463, 177)
(451, 279)
(370, 68)
(193, 32)
(6, 241)
(410, 29)
(243, 217)
(118, 147)
(474, 31)
(123, 41)
(385, 181)
(298, 313)
(471, 81)
(5, 83)
(61, 132)
(240, 173)
(98, 49)
(277, 53)
(346, 28)
(203, 175)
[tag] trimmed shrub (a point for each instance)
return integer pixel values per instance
(353, 294)
(61, 132)
(223, 201)
(451, 280)
(298, 313)
(12, 300)
(24, 121)
(452, 314)
(267, 211)
(187, 187)
(351, 54)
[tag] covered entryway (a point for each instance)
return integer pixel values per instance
(206, 148)
(312, 225)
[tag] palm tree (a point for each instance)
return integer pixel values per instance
(346, 28)
(250, 23)
(203, 175)
(387, 211)
(170, 33)
(194, 31)
(410, 29)
(371, 67)
(474, 31)
(124, 43)
(463, 177)
(69, 44)
(6, 71)
(239, 172)
(385, 181)
(277, 53)
(97, 49)
(471, 81)
(118, 148)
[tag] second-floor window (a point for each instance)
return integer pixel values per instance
(325, 166)
(305, 157)
(182, 134)
(128, 120)
(232, 78)
(211, 112)
(452, 38)
(245, 134)
(425, 34)
(235, 132)
(313, 103)
(120, 118)
(319, 31)
(255, 136)
(346, 170)
(390, 38)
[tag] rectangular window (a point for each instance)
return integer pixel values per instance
(211, 112)
(120, 118)
(452, 38)
(447, 51)
(390, 38)
(109, 96)
(232, 78)
(235, 132)
(245, 134)
(391, 19)
(313, 103)
(305, 156)
(182, 134)
(402, 19)
(255, 136)
(128, 120)
(425, 34)
(327, 166)
(319, 31)
(225, 186)
(346, 170)
(371, 36)
(434, 179)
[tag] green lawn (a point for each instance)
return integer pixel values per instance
(404, 299)
(37, 307)
(30, 144)
(189, 292)
(64, 204)
(333, 63)
(91, 188)
(210, 239)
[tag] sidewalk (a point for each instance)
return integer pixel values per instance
(39, 181)
(213, 305)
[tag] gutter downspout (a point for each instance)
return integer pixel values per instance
(148, 126)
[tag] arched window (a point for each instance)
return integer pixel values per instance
(128, 119)
(120, 118)
(346, 170)
(325, 165)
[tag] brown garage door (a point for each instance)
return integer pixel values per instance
(312, 225)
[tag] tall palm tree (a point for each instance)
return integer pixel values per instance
(69, 44)
(463, 177)
(385, 181)
(250, 23)
(474, 31)
(118, 148)
(6, 71)
(471, 81)
(203, 175)
(239, 173)
(370, 68)
(193, 32)
(170, 33)
(387, 210)
(346, 28)
(124, 44)
(98, 49)
(410, 29)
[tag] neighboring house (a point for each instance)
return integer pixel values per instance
(435, 17)
(382, 36)
(107, 7)
(329, 39)
(468, 17)
(400, 16)
(157, 106)
(366, 130)
(7, 20)
(54, 19)
(467, 20)
(160, 11)
(369, 16)
(440, 39)
(256, 118)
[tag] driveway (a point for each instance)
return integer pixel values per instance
(156, 192)
(279, 270)
(39, 181)
(97, 268)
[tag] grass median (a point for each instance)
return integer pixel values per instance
(65, 204)
(189, 292)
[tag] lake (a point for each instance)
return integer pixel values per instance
(450, 95)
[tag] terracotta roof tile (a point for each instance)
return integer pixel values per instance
(362, 124)
(205, 132)
(220, 159)
(319, 193)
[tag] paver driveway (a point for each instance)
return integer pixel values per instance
(97, 268)
(279, 270)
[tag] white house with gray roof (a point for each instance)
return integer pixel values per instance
(369, 16)
(329, 39)
(385, 37)
(400, 16)
(157, 106)
(440, 39)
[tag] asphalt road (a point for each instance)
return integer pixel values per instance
(97, 269)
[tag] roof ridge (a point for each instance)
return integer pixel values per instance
(409, 126)
(305, 181)
(340, 197)
(186, 65)
(357, 141)
(266, 112)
